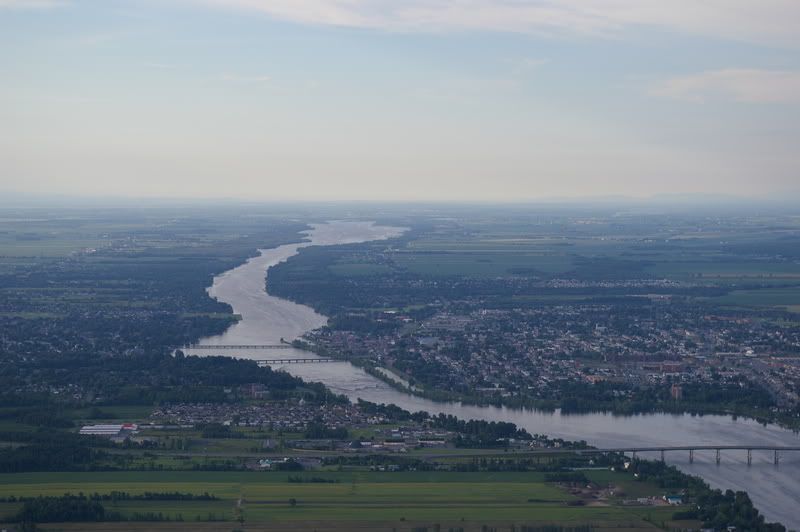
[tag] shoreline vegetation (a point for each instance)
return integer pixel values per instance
(355, 284)
(540, 406)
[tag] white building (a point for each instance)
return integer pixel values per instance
(109, 431)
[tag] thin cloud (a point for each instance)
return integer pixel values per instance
(160, 66)
(526, 64)
(762, 21)
(740, 85)
(30, 4)
(237, 78)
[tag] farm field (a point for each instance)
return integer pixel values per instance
(725, 258)
(726, 269)
(482, 263)
(333, 526)
(347, 497)
(787, 297)
(491, 249)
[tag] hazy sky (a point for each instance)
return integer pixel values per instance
(400, 99)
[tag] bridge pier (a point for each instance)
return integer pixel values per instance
(663, 449)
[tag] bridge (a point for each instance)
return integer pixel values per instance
(275, 361)
(775, 449)
(239, 347)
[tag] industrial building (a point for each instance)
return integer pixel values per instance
(115, 432)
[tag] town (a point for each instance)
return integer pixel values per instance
(541, 354)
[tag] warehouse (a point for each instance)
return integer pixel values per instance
(115, 432)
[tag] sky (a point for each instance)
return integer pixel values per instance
(459, 100)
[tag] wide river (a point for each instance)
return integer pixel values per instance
(267, 319)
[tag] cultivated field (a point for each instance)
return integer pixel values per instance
(396, 498)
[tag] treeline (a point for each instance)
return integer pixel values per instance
(722, 510)
(64, 509)
(716, 509)
(479, 433)
(391, 411)
(472, 433)
(736, 395)
(56, 450)
(82, 509)
(159, 378)
(115, 496)
(67, 456)
(474, 430)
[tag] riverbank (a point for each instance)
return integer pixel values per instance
(267, 318)
(402, 384)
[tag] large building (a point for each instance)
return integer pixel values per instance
(110, 431)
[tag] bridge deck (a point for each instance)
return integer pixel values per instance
(690, 448)
(268, 361)
(240, 347)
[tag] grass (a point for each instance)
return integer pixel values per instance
(222, 510)
(356, 496)
(770, 297)
(199, 481)
(46, 246)
(482, 264)
(471, 512)
(502, 525)
(728, 269)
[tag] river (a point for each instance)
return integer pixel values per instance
(267, 319)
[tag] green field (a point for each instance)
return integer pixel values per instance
(728, 269)
(482, 264)
(354, 496)
(57, 245)
(770, 297)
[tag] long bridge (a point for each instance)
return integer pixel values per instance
(239, 347)
(267, 361)
(775, 449)
(273, 361)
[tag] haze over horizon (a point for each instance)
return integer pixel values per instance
(472, 100)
